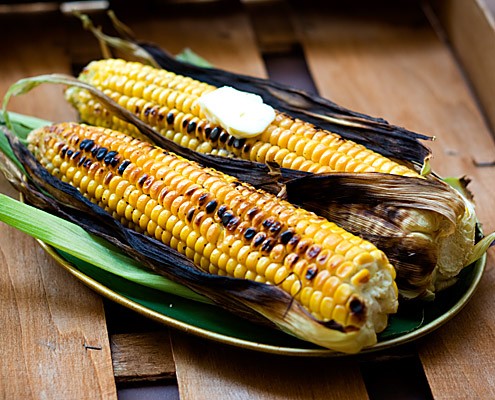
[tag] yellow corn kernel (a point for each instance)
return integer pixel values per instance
(339, 314)
(326, 307)
(361, 277)
(343, 293)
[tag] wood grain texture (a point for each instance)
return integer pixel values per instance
(141, 357)
(407, 75)
(53, 335)
(208, 370)
(34, 51)
(458, 358)
(272, 25)
(470, 28)
(401, 72)
(54, 342)
(223, 36)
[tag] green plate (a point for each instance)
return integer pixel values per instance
(213, 323)
(216, 324)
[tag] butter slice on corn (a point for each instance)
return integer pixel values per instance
(243, 115)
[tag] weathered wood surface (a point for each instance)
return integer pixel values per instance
(53, 329)
(407, 75)
(141, 357)
(224, 37)
(53, 336)
(470, 29)
(208, 370)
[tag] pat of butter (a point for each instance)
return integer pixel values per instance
(242, 114)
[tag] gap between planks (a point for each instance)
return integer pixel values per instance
(142, 357)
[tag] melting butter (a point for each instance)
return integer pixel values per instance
(242, 114)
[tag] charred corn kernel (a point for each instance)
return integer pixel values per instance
(169, 103)
(199, 213)
(361, 277)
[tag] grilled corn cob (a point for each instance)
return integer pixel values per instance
(169, 103)
(227, 227)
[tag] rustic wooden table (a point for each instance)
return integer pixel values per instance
(59, 340)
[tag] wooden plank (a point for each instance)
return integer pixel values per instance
(240, 374)
(22, 56)
(470, 29)
(139, 357)
(407, 75)
(398, 72)
(273, 29)
(54, 342)
(458, 358)
(53, 339)
(223, 36)
(226, 40)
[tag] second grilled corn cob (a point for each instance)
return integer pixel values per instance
(227, 227)
(169, 103)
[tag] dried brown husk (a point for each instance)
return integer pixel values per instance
(390, 211)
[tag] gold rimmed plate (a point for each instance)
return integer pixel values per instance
(208, 321)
